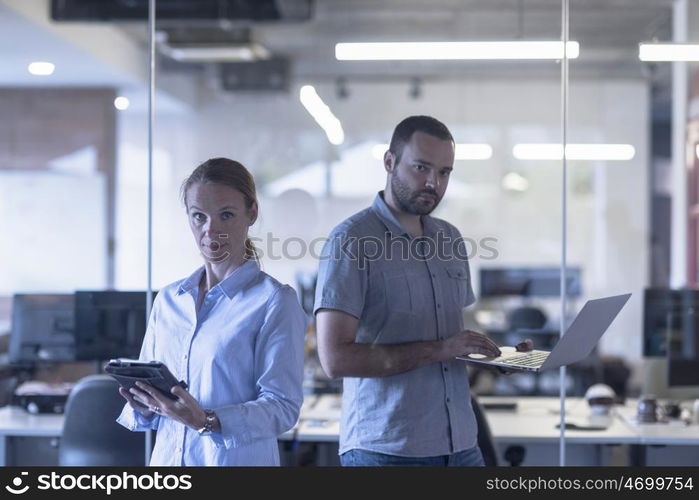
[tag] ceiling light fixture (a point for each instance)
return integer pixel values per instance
(382, 51)
(41, 68)
(599, 152)
(672, 52)
(215, 53)
(122, 103)
(322, 114)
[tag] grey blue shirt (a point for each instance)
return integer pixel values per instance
(402, 289)
(241, 354)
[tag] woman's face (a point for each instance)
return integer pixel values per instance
(219, 220)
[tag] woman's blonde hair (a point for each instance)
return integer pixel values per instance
(229, 173)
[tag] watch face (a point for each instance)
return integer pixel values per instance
(209, 424)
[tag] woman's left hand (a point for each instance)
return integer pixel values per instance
(184, 409)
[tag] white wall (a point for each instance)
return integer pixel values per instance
(173, 254)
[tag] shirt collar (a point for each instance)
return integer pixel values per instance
(231, 284)
(384, 213)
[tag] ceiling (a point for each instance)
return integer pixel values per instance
(23, 41)
(608, 31)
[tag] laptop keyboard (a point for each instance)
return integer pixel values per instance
(528, 359)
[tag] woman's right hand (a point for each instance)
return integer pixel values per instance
(140, 408)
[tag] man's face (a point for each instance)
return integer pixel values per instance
(419, 181)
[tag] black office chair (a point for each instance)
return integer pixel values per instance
(514, 454)
(91, 436)
(526, 318)
(485, 438)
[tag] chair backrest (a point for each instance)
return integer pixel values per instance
(91, 436)
(526, 318)
(485, 438)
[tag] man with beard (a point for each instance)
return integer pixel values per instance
(391, 288)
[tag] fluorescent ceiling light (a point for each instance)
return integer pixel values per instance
(463, 151)
(382, 51)
(601, 152)
(41, 68)
(668, 52)
(322, 114)
(121, 103)
(215, 53)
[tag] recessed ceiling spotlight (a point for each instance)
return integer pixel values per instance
(121, 103)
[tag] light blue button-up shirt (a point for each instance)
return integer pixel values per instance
(241, 355)
(399, 295)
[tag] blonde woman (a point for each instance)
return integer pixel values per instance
(233, 333)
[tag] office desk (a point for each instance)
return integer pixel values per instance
(325, 407)
(532, 424)
(309, 401)
(535, 419)
(15, 422)
(662, 443)
(318, 431)
(672, 433)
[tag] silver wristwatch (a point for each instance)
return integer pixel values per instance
(209, 424)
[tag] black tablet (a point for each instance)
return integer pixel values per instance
(129, 371)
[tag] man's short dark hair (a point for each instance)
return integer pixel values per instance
(419, 123)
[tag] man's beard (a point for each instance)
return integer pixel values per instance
(408, 201)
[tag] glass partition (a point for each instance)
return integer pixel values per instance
(291, 95)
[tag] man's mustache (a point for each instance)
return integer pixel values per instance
(430, 192)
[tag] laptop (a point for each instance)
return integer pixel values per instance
(577, 343)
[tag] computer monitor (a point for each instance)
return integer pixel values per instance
(683, 346)
(109, 324)
(662, 318)
(528, 281)
(671, 331)
(42, 328)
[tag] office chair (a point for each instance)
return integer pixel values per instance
(91, 436)
(485, 438)
(526, 318)
(514, 454)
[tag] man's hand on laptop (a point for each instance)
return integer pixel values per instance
(525, 346)
(469, 342)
